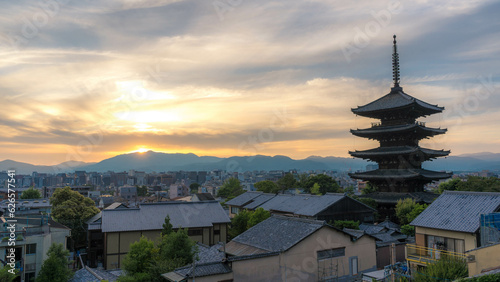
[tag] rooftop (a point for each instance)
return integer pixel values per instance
(152, 216)
(458, 211)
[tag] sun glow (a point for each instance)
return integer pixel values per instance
(141, 150)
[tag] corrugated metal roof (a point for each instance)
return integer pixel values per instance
(278, 233)
(152, 216)
(244, 198)
(458, 211)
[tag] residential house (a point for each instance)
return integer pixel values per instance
(128, 193)
(329, 207)
(206, 222)
(389, 239)
(34, 235)
(450, 225)
(283, 248)
(28, 207)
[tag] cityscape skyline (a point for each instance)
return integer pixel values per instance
(87, 81)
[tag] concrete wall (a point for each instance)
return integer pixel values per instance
(484, 258)
(469, 238)
(300, 263)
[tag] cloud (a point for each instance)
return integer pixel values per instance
(181, 76)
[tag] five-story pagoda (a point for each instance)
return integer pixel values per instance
(399, 156)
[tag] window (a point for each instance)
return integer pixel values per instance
(353, 265)
(447, 244)
(29, 277)
(216, 232)
(235, 210)
(194, 232)
(31, 249)
(331, 253)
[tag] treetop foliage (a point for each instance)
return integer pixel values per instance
(267, 186)
(31, 193)
(407, 210)
(246, 219)
(230, 188)
(55, 267)
(472, 183)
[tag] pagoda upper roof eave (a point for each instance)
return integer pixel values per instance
(381, 174)
(377, 130)
(394, 101)
(398, 150)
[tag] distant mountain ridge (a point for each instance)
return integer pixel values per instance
(155, 161)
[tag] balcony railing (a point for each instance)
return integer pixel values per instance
(424, 255)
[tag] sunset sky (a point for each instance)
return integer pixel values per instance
(87, 80)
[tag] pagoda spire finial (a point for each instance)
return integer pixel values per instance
(395, 63)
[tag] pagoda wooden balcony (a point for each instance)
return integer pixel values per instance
(425, 256)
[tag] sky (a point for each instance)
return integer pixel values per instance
(87, 80)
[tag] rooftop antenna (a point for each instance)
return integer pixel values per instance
(395, 63)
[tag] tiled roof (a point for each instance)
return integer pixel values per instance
(243, 199)
(152, 216)
(401, 174)
(389, 224)
(277, 233)
(302, 204)
(204, 269)
(354, 232)
(205, 197)
(404, 128)
(261, 199)
(371, 229)
(400, 150)
(397, 99)
(209, 253)
(458, 211)
(116, 205)
(93, 275)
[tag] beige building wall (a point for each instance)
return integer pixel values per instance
(117, 244)
(484, 258)
(300, 263)
(469, 238)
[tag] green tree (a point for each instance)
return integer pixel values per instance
(326, 184)
(55, 267)
(138, 261)
(450, 185)
(407, 210)
(267, 186)
(301, 183)
(479, 184)
(142, 190)
(73, 210)
(230, 188)
(258, 216)
(194, 187)
(370, 188)
(445, 269)
(340, 224)
(349, 191)
(485, 278)
(239, 223)
(6, 276)
(167, 227)
(31, 193)
(287, 182)
(315, 189)
(178, 247)
(369, 202)
(408, 230)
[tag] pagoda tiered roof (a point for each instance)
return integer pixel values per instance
(416, 127)
(397, 100)
(398, 150)
(401, 174)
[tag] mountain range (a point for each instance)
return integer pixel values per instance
(156, 161)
